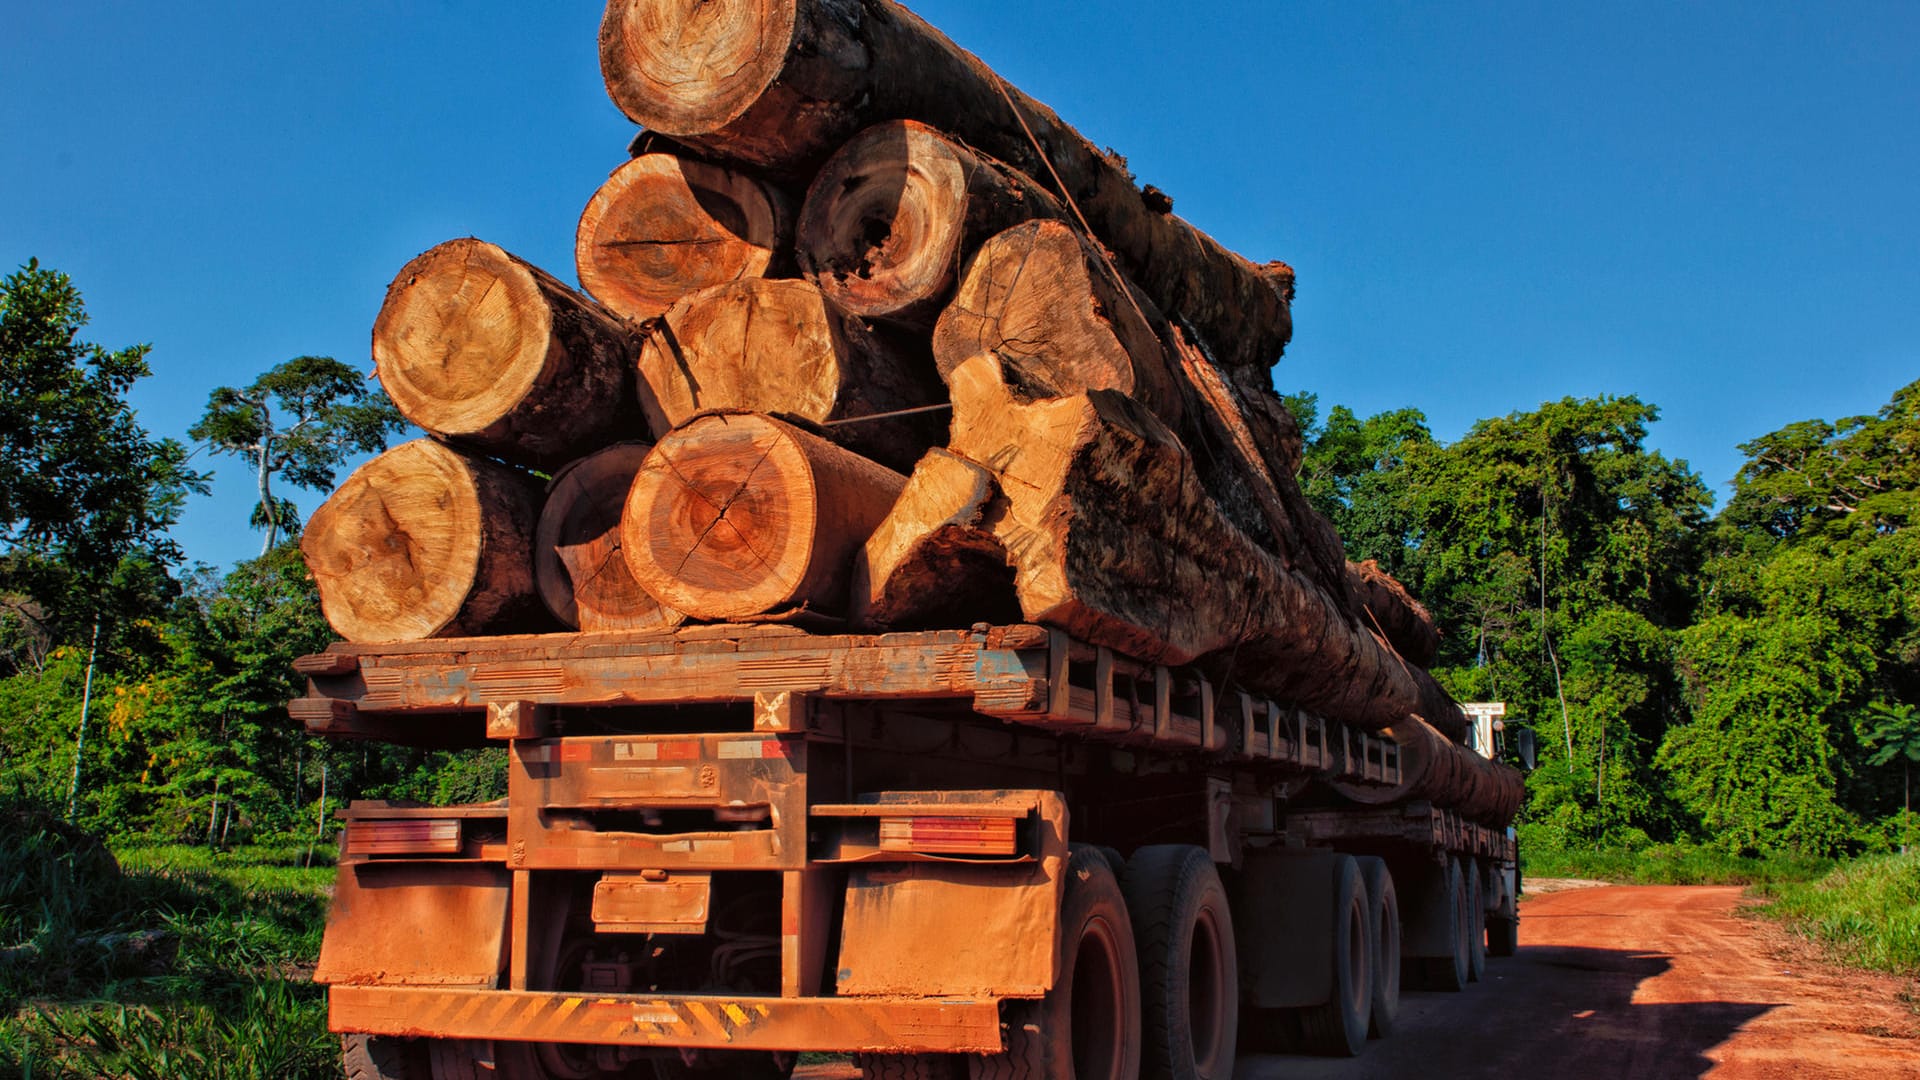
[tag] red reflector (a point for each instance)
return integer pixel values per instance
(404, 836)
(949, 835)
(775, 748)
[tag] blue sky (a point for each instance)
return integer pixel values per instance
(1709, 205)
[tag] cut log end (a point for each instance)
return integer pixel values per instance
(662, 227)
(462, 337)
(738, 514)
(934, 560)
(884, 221)
(421, 541)
(656, 76)
(781, 346)
(577, 562)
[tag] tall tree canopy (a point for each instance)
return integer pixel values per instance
(88, 494)
(300, 420)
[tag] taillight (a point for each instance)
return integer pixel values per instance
(948, 835)
(404, 836)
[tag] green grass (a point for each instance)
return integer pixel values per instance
(1670, 864)
(177, 962)
(1865, 914)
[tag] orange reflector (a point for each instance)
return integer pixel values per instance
(948, 835)
(404, 836)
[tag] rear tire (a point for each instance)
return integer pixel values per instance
(909, 1066)
(1384, 924)
(1089, 1023)
(1189, 977)
(1338, 1028)
(1503, 935)
(1476, 926)
(381, 1057)
(1448, 972)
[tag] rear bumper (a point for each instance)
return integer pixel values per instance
(843, 1025)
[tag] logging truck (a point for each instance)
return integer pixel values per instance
(892, 595)
(995, 852)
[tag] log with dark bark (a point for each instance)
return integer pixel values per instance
(1114, 539)
(663, 226)
(1383, 603)
(738, 514)
(781, 83)
(1439, 770)
(1042, 295)
(582, 576)
(764, 345)
(424, 541)
(934, 561)
(1249, 447)
(893, 214)
(496, 355)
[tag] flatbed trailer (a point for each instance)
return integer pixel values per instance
(995, 851)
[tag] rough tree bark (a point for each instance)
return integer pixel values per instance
(738, 514)
(781, 83)
(1435, 768)
(1114, 539)
(1040, 294)
(577, 562)
(424, 541)
(782, 346)
(893, 214)
(663, 226)
(933, 560)
(494, 354)
(1382, 602)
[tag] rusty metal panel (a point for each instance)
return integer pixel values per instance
(957, 928)
(653, 903)
(591, 802)
(891, 1025)
(416, 924)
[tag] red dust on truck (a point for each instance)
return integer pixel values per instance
(991, 852)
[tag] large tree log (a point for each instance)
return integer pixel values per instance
(582, 575)
(494, 354)
(663, 226)
(893, 214)
(1386, 605)
(1042, 295)
(764, 345)
(934, 561)
(1441, 771)
(781, 83)
(737, 514)
(1114, 539)
(424, 541)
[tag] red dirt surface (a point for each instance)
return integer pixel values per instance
(1644, 982)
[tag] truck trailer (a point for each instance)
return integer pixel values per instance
(990, 852)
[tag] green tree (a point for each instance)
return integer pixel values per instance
(88, 496)
(301, 420)
(1558, 553)
(87, 489)
(1895, 736)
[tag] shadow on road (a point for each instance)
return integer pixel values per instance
(1547, 1011)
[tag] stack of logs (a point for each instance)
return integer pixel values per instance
(875, 340)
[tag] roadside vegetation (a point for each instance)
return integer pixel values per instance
(1672, 864)
(1865, 913)
(166, 962)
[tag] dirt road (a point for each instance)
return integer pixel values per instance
(1638, 983)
